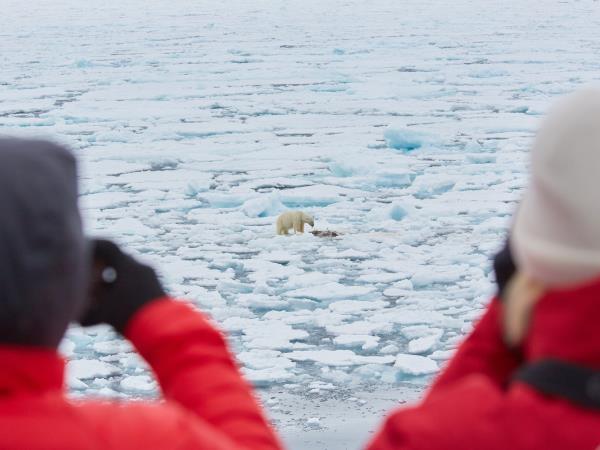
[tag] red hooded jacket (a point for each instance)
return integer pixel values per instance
(474, 405)
(207, 403)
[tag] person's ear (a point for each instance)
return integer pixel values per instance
(521, 294)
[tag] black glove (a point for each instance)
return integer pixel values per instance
(504, 268)
(120, 287)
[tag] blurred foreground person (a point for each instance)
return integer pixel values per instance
(47, 281)
(528, 375)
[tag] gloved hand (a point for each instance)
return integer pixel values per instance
(120, 287)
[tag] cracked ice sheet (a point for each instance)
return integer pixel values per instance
(193, 137)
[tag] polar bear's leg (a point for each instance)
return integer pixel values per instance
(301, 226)
(281, 226)
(297, 225)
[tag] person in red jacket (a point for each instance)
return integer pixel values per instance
(45, 281)
(528, 375)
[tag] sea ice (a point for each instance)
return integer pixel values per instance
(138, 384)
(415, 364)
(405, 139)
(337, 357)
(90, 368)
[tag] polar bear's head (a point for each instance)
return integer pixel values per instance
(308, 219)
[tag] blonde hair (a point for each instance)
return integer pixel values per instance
(520, 297)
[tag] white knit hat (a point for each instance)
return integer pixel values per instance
(556, 233)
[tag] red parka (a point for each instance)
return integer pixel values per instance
(474, 404)
(207, 403)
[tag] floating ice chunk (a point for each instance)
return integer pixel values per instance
(106, 200)
(264, 367)
(484, 158)
(337, 357)
(280, 257)
(382, 277)
(90, 368)
(272, 401)
(523, 109)
(425, 278)
(203, 297)
(350, 254)
(80, 337)
(316, 195)
(419, 331)
(84, 64)
(138, 384)
(345, 169)
(395, 292)
(196, 187)
(393, 179)
(390, 349)
(404, 284)
(313, 422)
(67, 347)
(121, 136)
(415, 364)
(76, 384)
(442, 355)
(376, 372)
(365, 341)
(263, 206)
(132, 361)
(130, 226)
(261, 301)
(282, 342)
(322, 386)
(233, 286)
(100, 382)
(424, 344)
(110, 393)
(495, 224)
(265, 359)
(428, 187)
(311, 279)
(112, 347)
(359, 327)
(217, 200)
(488, 73)
(356, 306)
(397, 212)
(330, 291)
(261, 270)
(405, 139)
(473, 146)
(338, 376)
(268, 334)
(267, 377)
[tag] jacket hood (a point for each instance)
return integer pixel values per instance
(43, 260)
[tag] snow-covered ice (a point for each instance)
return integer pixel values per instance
(415, 364)
(90, 368)
(138, 384)
(404, 126)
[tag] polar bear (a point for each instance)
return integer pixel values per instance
(295, 220)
